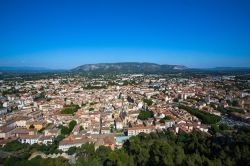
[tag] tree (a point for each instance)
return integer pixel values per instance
(161, 153)
(138, 151)
(86, 150)
(144, 115)
(176, 100)
(164, 119)
(88, 161)
(223, 126)
(32, 126)
(67, 130)
(214, 128)
(58, 138)
(14, 146)
(64, 130)
(179, 155)
(235, 103)
(149, 102)
(72, 124)
(120, 158)
(103, 153)
(130, 99)
(72, 150)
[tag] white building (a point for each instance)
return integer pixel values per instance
(118, 124)
(29, 139)
(46, 140)
(65, 144)
(133, 131)
(169, 123)
(22, 122)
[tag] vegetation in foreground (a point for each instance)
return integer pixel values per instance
(164, 148)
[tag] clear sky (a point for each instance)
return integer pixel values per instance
(65, 34)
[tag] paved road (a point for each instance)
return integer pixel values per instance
(71, 158)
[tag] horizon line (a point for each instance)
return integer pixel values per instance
(49, 68)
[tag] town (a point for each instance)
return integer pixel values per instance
(108, 110)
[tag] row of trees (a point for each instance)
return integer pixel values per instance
(205, 117)
(67, 130)
(89, 86)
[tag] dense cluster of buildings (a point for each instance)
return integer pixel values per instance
(31, 111)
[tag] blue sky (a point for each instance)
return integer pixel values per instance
(65, 34)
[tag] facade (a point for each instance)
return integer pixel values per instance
(105, 130)
(65, 144)
(169, 123)
(133, 131)
(6, 132)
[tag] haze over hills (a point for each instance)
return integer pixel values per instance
(26, 69)
(231, 69)
(122, 68)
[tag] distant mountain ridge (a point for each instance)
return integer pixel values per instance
(123, 68)
(128, 67)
